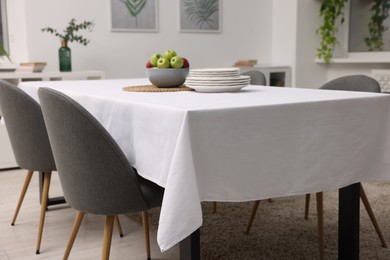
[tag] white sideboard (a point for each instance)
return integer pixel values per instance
(279, 76)
(7, 159)
(17, 77)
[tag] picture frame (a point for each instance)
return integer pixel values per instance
(134, 16)
(209, 22)
(4, 26)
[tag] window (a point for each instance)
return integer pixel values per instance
(359, 19)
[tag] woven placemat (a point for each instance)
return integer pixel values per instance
(153, 88)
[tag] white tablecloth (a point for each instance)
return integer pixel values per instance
(258, 143)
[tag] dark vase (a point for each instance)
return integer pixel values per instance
(65, 57)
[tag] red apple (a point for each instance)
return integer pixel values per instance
(149, 64)
(186, 64)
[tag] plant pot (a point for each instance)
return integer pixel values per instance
(65, 57)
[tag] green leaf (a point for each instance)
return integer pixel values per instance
(134, 7)
(200, 11)
(332, 13)
(69, 32)
(3, 52)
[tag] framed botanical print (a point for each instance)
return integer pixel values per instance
(202, 16)
(134, 15)
(3, 26)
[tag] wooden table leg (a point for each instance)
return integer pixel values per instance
(349, 209)
(190, 247)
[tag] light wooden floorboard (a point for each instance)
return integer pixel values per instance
(18, 242)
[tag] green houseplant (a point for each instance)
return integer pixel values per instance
(70, 34)
(380, 12)
(332, 13)
(3, 53)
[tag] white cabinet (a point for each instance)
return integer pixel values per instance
(7, 159)
(275, 75)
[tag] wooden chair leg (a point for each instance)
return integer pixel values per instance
(45, 196)
(109, 225)
(320, 220)
(145, 222)
(252, 217)
(118, 223)
(22, 194)
(73, 234)
(366, 204)
(214, 207)
(307, 205)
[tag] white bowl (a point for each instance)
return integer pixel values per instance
(167, 78)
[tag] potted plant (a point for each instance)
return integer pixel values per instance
(70, 34)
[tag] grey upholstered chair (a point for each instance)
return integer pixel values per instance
(257, 77)
(29, 141)
(95, 175)
(30, 144)
(353, 83)
(347, 83)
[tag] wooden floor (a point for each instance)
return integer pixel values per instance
(18, 242)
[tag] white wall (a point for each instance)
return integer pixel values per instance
(245, 34)
(284, 20)
(16, 17)
(308, 73)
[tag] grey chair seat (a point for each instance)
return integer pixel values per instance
(95, 175)
(257, 77)
(30, 143)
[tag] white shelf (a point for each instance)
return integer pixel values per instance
(17, 77)
(354, 61)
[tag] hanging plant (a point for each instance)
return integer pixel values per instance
(380, 12)
(332, 12)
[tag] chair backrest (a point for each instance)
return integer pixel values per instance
(95, 175)
(26, 129)
(353, 83)
(257, 77)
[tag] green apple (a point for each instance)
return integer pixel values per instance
(153, 60)
(169, 54)
(163, 63)
(176, 62)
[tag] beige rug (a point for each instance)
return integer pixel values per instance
(280, 231)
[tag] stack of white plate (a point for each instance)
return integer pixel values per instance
(216, 80)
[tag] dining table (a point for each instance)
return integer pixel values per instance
(256, 143)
